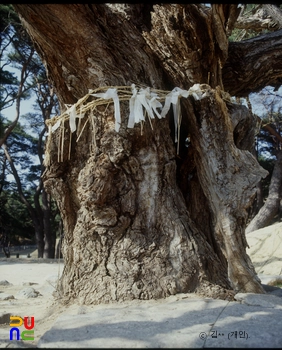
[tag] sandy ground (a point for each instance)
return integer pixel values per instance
(21, 274)
(266, 249)
(17, 299)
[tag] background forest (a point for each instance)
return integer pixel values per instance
(28, 215)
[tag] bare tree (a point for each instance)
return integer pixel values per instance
(17, 99)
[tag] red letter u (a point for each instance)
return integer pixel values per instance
(26, 322)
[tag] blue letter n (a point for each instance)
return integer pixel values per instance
(11, 333)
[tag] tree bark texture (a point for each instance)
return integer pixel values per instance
(141, 221)
(132, 223)
(252, 64)
(228, 176)
(268, 17)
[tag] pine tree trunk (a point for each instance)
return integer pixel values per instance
(58, 254)
(49, 235)
(39, 237)
(140, 221)
(131, 220)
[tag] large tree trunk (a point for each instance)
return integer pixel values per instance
(139, 220)
(272, 204)
(131, 220)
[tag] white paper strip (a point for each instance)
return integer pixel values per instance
(132, 101)
(174, 98)
(73, 115)
(112, 93)
(139, 99)
(56, 125)
(143, 98)
(196, 92)
(154, 104)
(138, 110)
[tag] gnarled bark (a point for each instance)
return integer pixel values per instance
(133, 237)
(228, 176)
(267, 16)
(252, 64)
(132, 225)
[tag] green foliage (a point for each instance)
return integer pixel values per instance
(8, 78)
(9, 19)
(243, 34)
(22, 146)
(14, 217)
(25, 143)
(16, 52)
(8, 81)
(240, 34)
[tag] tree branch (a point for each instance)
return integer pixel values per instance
(273, 132)
(18, 182)
(263, 17)
(18, 99)
(275, 13)
(2, 176)
(253, 64)
(255, 23)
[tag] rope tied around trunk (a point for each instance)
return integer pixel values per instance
(142, 102)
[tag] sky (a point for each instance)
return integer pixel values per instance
(261, 104)
(26, 107)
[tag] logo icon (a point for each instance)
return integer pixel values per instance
(17, 321)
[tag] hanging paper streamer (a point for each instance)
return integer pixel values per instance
(72, 118)
(174, 98)
(112, 93)
(135, 109)
(154, 104)
(73, 115)
(56, 125)
(196, 92)
(143, 98)
(142, 102)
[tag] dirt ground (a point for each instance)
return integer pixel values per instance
(29, 292)
(27, 284)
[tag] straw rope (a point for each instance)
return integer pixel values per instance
(148, 101)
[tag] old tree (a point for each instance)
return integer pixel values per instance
(145, 217)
